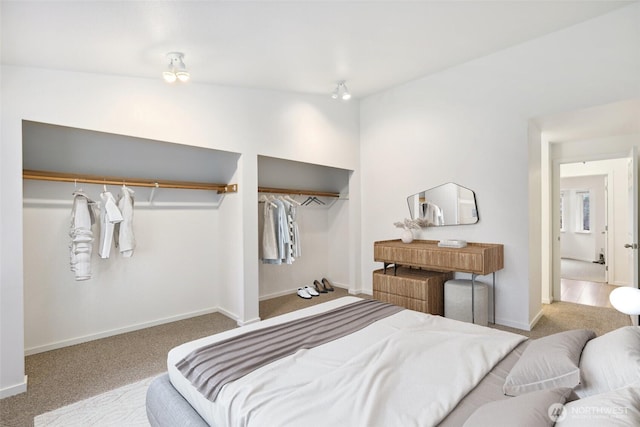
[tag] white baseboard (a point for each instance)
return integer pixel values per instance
(512, 324)
(112, 332)
(236, 318)
(248, 322)
(294, 290)
(360, 291)
(278, 294)
(14, 389)
(535, 320)
(228, 314)
(617, 283)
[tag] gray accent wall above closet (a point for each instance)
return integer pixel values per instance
(282, 173)
(66, 149)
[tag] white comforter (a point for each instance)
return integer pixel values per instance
(409, 369)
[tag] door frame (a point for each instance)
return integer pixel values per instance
(607, 178)
(553, 249)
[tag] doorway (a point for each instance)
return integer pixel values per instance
(583, 234)
(593, 207)
(595, 133)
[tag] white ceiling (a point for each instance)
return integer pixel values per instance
(300, 46)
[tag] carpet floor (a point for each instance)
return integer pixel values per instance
(72, 374)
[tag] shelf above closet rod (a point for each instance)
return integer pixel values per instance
(298, 192)
(132, 182)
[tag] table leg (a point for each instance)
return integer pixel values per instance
(473, 297)
(493, 289)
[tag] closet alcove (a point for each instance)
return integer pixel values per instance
(179, 258)
(323, 224)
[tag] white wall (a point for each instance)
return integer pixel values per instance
(469, 124)
(251, 122)
(173, 274)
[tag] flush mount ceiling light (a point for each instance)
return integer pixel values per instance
(176, 69)
(341, 92)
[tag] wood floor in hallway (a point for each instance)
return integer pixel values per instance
(585, 292)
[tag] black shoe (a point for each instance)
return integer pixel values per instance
(319, 287)
(327, 285)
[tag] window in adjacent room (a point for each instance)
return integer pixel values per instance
(583, 206)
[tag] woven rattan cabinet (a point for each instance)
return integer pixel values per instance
(415, 289)
(421, 267)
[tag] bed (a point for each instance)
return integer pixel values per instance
(401, 368)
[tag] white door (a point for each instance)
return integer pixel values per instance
(632, 244)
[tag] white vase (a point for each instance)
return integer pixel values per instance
(407, 236)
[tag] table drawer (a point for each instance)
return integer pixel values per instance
(415, 289)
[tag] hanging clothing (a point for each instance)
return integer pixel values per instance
(125, 240)
(295, 231)
(281, 238)
(269, 240)
(288, 231)
(110, 215)
(82, 218)
(280, 234)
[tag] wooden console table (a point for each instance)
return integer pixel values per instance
(478, 259)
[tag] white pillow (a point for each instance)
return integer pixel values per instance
(615, 408)
(548, 362)
(535, 409)
(610, 362)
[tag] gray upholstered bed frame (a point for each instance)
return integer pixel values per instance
(167, 408)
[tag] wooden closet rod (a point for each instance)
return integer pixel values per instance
(132, 182)
(298, 192)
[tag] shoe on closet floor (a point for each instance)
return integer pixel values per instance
(302, 293)
(327, 285)
(311, 291)
(319, 287)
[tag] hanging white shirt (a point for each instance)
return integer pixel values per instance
(285, 231)
(269, 242)
(125, 240)
(110, 215)
(281, 236)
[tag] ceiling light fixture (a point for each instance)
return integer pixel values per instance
(341, 91)
(176, 69)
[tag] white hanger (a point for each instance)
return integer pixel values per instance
(292, 200)
(265, 199)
